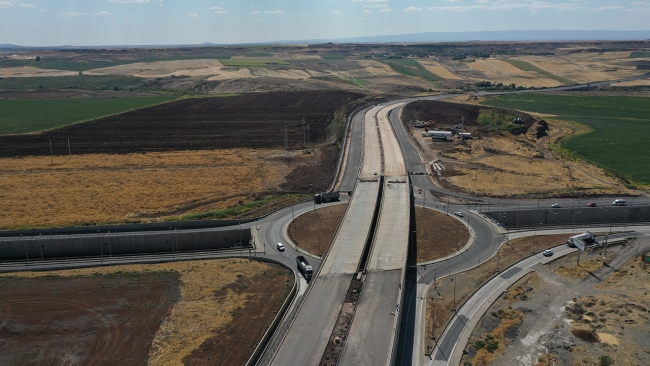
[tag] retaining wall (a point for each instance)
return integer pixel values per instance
(583, 216)
(41, 247)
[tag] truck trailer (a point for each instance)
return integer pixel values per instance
(587, 237)
(304, 267)
(326, 197)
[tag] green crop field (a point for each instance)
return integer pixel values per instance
(526, 66)
(619, 128)
(640, 54)
(90, 65)
(69, 82)
(410, 67)
(31, 115)
(252, 63)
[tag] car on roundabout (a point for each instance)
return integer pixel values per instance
(547, 253)
(458, 213)
(280, 247)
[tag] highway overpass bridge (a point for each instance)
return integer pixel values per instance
(366, 262)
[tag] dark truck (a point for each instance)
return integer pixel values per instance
(304, 267)
(327, 197)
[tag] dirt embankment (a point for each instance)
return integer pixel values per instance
(191, 313)
(573, 314)
(440, 298)
(501, 163)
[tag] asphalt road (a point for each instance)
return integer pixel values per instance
(454, 338)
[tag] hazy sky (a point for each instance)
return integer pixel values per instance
(105, 22)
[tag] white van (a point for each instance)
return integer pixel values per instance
(619, 202)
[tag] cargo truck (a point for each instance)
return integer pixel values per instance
(304, 267)
(587, 237)
(326, 197)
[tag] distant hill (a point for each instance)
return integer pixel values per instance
(430, 37)
(504, 36)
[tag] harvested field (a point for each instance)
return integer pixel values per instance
(247, 121)
(470, 281)
(437, 69)
(197, 67)
(161, 314)
(99, 188)
(31, 72)
(438, 235)
(313, 231)
(581, 70)
(502, 72)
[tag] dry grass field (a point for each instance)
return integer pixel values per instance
(504, 164)
(583, 68)
(99, 188)
(514, 167)
(160, 69)
(437, 69)
(502, 72)
(30, 72)
(216, 298)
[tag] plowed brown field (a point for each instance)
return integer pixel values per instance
(246, 121)
(192, 313)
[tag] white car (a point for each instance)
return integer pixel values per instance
(458, 213)
(547, 253)
(281, 247)
(556, 205)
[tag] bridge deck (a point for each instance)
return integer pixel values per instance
(372, 335)
(371, 146)
(306, 340)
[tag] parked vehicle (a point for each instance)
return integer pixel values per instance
(280, 247)
(619, 202)
(587, 237)
(326, 197)
(591, 204)
(547, 253)
(304, 267)
(556, 205)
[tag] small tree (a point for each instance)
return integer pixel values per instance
(605, 361)
(38, 58)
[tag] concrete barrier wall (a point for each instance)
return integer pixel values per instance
(152, 226)
(121, 244)
(586, 216)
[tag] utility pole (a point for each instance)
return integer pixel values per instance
(307, 135)
(303, 131)
(51, 155)
(69, 151)
(498, 255)
(454, 279)
(286, 142)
